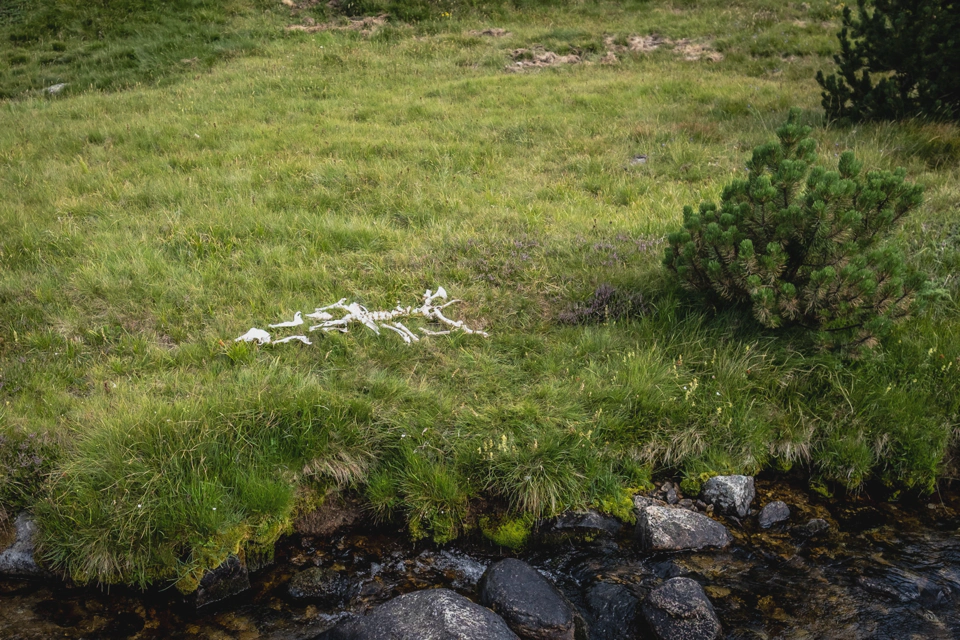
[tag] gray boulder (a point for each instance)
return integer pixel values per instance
(434, 614)
(674, 529)
(729, 495)
(530, 604)
(17, 559)
(680, 610)
(772, 513)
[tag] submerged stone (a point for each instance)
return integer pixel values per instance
(612, 611)
(729, 495)
(905, 586)
(680, 610)
(772, 513)
(529, 603)
(812, 529)
(319, 583)
(434, 614)
(582, 524)
(673, 529)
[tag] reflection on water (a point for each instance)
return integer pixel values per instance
(884, 570)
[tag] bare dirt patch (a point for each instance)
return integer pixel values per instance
(637, 43)
(537, 58)
(493, 32)
(296, 5)
(693, 51)
(366, 26)
(685, 48)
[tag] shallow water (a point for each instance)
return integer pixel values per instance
(885, 570)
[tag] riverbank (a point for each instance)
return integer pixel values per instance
(859, 579)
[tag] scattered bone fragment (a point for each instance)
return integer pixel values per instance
(296, 322)
(303, 339)
(255, 335)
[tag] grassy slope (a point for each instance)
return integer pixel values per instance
(141, 231)
(110, 44)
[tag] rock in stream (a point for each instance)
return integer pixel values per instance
(434, 614)
(529, 603)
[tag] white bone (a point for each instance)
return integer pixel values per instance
(255, 335)
(429, 332)
(411, 334)
(296, 322)
(405, 337)
(302, 339)
(376, 320)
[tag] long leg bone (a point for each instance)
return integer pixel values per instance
(296, 322)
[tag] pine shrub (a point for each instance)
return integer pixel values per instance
(801, 245)
(897, 59)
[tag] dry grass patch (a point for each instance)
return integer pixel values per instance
(685, 48)
(366, 26)
(538, 58)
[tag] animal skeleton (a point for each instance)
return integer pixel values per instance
(373, 320)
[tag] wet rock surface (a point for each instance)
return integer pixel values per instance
(579, 524)
(227, 580)
(813, 528)
(611, 611)
(437, 614)
(530, 604)
(680, 610)
(675, 529)
(773, 513)
(729, 495)
(320, 583)
(17, 560)
(885, 570)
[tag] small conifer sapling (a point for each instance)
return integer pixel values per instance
(801, 245)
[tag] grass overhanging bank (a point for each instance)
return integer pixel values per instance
(142, 230)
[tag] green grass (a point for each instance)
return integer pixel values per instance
(111, 44)
(142, 230)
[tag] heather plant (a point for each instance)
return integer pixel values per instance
(898, 58)
(801, 245)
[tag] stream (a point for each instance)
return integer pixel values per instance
(882, 570)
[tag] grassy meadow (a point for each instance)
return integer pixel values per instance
(153, 212)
